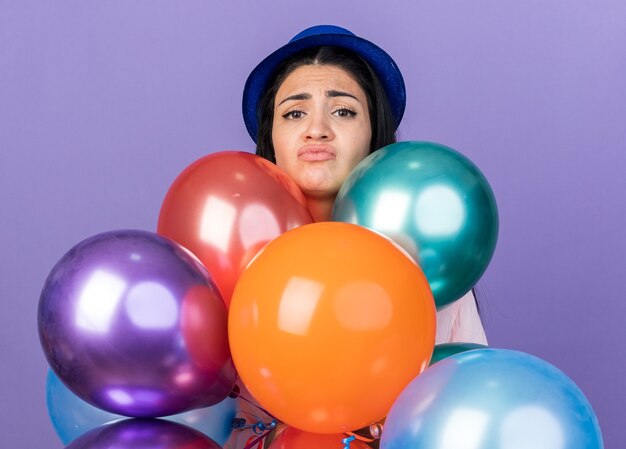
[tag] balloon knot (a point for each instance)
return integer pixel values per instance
(234, 394)
(258, 428)
(261, 427)
(376, 430)
(238, 423)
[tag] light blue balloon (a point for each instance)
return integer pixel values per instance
(432, 201)
(492, 399)
(72, 417)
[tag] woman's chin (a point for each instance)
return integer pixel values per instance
(319, 192)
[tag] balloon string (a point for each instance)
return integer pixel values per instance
(236, 393)
(258, 427)
(375, 431)
(346, 441)
(259, 407)
(257, 440)
(354, 436)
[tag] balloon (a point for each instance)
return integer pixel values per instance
(214, 421)
(72, 417)
(133, 324)
(292, 438)
(445, 350)
(225, 207)
(435, 203)
(143, 434)
(492, 399)
(328, 324)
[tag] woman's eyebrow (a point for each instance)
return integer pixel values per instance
(300, 96)
(339, 93)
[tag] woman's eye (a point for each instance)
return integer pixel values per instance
(344, 112)
(293, 115)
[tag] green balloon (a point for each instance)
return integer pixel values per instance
(432, 201)
(447, 349)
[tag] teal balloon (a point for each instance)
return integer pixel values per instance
(445, 350)
(71, 417)
(432, 201)
(492, 399)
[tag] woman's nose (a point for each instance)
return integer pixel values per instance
(319, 128)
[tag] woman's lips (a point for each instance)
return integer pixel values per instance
(314, 153)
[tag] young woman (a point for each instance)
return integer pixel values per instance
(316, 107)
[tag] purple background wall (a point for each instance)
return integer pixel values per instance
(102, 104)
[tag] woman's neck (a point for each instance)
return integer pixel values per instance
(321, 208)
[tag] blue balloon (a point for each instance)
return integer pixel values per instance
(492, 399)
(72, 417)
(432, 201)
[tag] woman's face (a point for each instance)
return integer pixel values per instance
(321, 128)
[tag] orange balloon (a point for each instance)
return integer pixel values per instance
(292, 438)
(328, 324)
(225, 207)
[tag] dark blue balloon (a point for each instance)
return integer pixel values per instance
(492, 399)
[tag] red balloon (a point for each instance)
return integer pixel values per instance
(292, 438)
(225, 207)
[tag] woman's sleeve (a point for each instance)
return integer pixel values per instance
(460, 323)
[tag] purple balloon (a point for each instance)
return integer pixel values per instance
(143, 434)
(132, 323)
